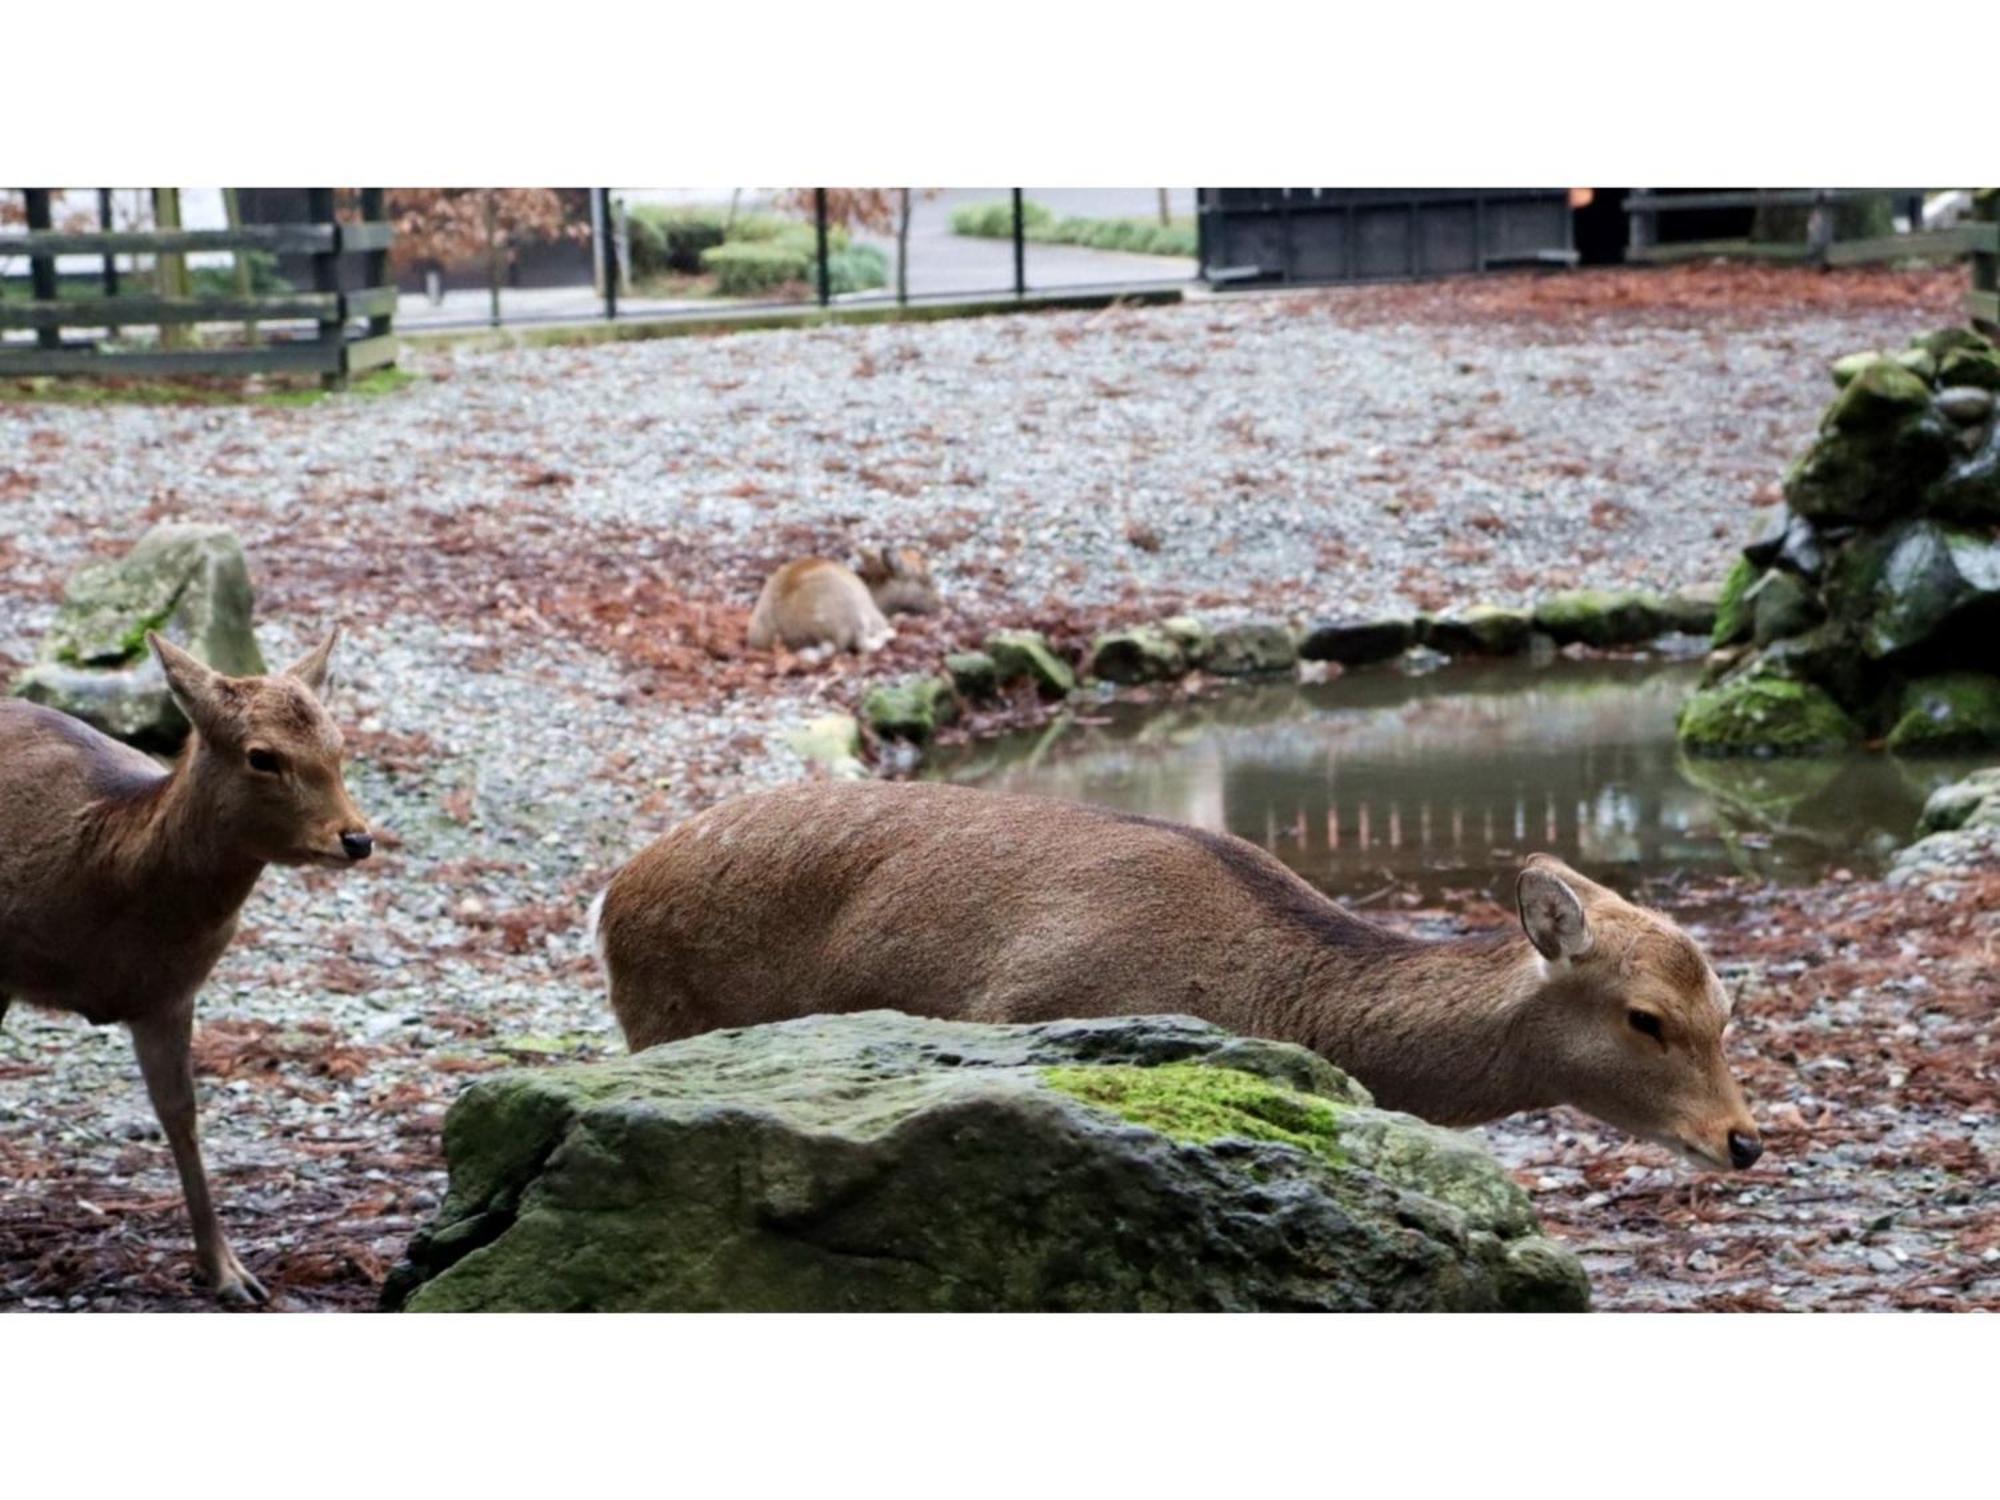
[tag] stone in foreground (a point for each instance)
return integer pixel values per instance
(1026, 653)
(882, 1162)
(189, 583)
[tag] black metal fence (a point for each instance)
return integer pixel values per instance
(113, 321)
(1289, 236)
(1817, 226)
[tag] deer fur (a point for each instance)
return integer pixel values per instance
(968, 905)
(120, 882)
(818, 603)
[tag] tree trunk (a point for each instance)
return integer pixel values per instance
(170, 270)
(245, 281)
(1166, 210)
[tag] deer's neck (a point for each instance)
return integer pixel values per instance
(167, 849)
(1440, 1029)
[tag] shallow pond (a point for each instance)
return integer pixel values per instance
(1442, 781)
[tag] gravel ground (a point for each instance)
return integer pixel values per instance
(544, 561)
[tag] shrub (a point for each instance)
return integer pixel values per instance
(220, 281)
(748, 268)
(859, 268)
(1137, 236)
(995, 221)
(671, 239)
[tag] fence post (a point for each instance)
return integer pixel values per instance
(42, 268)
(1819, 228)
(110, 261)
(1641, 226)
(375, 210)
(1020, 246)
(607, 254)
(819, 226)
(326, 278)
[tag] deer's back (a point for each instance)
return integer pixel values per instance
(948, 901)
(815, 601)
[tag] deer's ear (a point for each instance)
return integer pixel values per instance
(311, 668)
(1552, 913)
(192, 682)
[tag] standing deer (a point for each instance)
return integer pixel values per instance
(120, 883)
(976, 906)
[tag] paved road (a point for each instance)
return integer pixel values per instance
(941, 263)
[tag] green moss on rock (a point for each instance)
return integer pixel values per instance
(1142, 653)
(1482, 630)
(1193, 1102)
(1764, 715)
(1949, 712)
(1026, 653)
(1597, 618)
(1732, 616)
(912, 709)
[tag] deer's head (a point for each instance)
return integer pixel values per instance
(899, 578)
(268, 758)
(1630, 1019)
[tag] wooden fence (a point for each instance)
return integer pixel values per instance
(354, 328)
(1982, 238)
(1821, 245)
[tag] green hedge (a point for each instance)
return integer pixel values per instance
(754, 268)
(664, 239)
(1138, 236)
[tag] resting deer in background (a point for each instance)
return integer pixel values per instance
(818, 604)
(976, 906)
(120, 883)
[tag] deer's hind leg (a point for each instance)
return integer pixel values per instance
(164, 1043)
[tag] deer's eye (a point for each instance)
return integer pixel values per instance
(1645, 1023)
(266, 762)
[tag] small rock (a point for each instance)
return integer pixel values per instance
(975, 674)
(1251, 650)
(1026, 653)
(1356, 643)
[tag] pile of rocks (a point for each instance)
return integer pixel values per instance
(189, 583)
(914, 708)
(883, 1162)
(1869, 608)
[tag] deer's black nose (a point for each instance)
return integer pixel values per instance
(360, 845)
(1744, 1150)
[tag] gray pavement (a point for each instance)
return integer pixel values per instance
(942, 264)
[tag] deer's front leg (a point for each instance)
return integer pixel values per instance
(163, 1043)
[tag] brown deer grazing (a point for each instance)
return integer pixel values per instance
(120, 883)
(817, 604)
(976, 906)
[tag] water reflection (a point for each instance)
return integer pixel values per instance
(1446, 779)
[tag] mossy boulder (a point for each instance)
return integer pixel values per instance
(1357, 643)
(1193, 636)
(913, 709)
(1763, 714)
(1848, 366)
(1880, 444)
(1973, 801)
(882, 1162)
(1250, 650)
(975, 674)
(1969, 490)
(191, 584)
(1026, 654)
(1919, 585)
(1143, 653)
(1947, 713)
(1968, 365)
(1481, 630)
(1594, 617)
(1941, 342)
(1733, 618)
(1781, 605)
